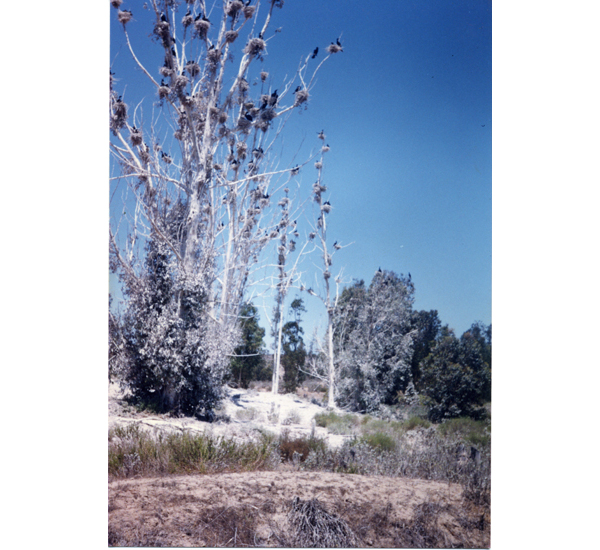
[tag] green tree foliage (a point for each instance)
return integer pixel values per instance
(248, 363)
(427, 325)
(455, 377)
(373, 340)
(168, 350)
(294, 351)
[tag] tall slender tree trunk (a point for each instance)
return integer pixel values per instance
(331, 384)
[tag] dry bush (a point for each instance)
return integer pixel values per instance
(233, 527)
(314, 527)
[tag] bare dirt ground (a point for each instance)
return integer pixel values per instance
(251, 509)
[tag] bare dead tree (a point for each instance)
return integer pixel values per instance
(319, 233)
(204, 206)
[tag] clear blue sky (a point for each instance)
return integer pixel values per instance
(407, 110)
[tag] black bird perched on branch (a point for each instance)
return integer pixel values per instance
(326, 203)
(198, 17)
(163, 17)
(315, 52)
(336, 245)
(248, 116)
(337, 41)
(273, 99)
(379, 270)
(297, 89)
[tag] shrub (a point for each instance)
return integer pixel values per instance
(416, 422)
(302, 446)
(380, 441)
(293, 417)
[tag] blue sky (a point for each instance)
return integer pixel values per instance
(407, 110)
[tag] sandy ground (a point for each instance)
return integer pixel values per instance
(248, 411)
(250, 509)
(198, 510)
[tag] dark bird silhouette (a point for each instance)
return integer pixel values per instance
(212, 47)
(162, 81)
(187, 13)
(260, 35)
(297, 89)
(321, 134)
(336, 245)
(337, 41)
(248, 116)
(409, 276)
(173, 53)
(315, 52)
(198, 17)
(326, 203)
(163, 17)
(273, 99)
(379, 271)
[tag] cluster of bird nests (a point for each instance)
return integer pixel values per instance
(301, 97)
(124, 16)
(232, 8)
(334, 48)
(230, 36)
(254, 47)
(201, 27)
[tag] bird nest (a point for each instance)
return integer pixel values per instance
(222, 117)
(326, 208)
(136, 137)
(315, 527)
(301, 97)
(283, 202)
(249, 11)
(334, 48)
(233, 7)
(318, 165)
(124, 16)
(264, 75)
(213, 55)
(187, 20)
(165, 71)
(145, 155)
(267, 115)
(242, 149)
(193, 68)
(116, 3)
(163, 91)
(161, 29)
(201, 26)
(244, 86)
(230, 36)
(181, 82)
(318, 188)
(325, 149)
(254, 47)
(244, 123)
